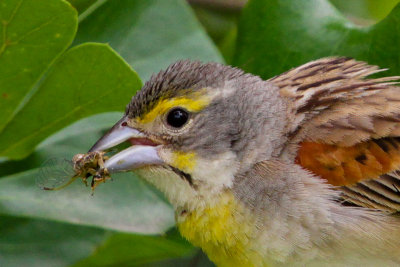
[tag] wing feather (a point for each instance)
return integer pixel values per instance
(345, 128)
(333, 102)
(367, 173)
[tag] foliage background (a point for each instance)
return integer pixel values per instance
(67, 69)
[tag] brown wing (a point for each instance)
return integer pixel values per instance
(367, 172)
(344, 128)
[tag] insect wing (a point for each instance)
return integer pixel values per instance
(55, 173)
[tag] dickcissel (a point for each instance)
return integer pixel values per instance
(302, 169)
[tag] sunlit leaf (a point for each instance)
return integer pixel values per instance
(88, 79)
(33, 34)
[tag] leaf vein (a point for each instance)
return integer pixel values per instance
(75, 110)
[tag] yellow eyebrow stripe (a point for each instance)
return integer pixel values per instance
(163, 105)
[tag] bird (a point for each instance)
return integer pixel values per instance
(302, 169)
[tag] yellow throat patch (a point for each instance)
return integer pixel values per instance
(222, 231)
(185, 161)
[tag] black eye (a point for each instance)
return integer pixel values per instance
(177, 117)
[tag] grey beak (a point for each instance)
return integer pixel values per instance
(131, 158)
(116, 135)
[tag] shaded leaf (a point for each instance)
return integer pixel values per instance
(150, 34)
(82, 5)
(27, 242)
(46, 243)
(197, 260)
(277, 35)
(138, 250)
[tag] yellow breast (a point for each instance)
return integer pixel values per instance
(223, 231)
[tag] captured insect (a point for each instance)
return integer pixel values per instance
(58, 173)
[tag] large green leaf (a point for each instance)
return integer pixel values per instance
(76, 138)
(149, 34)
(138, 250)
(82, 5)
(33, 34)
(364, 11)
(38, 243)
(86, 80)
(125, 204)
(46, 243)
(276, 35)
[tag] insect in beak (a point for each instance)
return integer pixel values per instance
(144, 151)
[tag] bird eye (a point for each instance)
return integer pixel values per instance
(177, 117)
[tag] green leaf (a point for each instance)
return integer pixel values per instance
(124, 204)
(365, 11)
(86, 80)
(82, 5)
(46, 243)
(137, 250)
(277, 35)
(150, 34)
(75, 138)
(33, 33)
(38, 243)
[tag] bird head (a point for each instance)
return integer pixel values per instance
(193, 127)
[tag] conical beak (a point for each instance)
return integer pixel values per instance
(133, 157)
